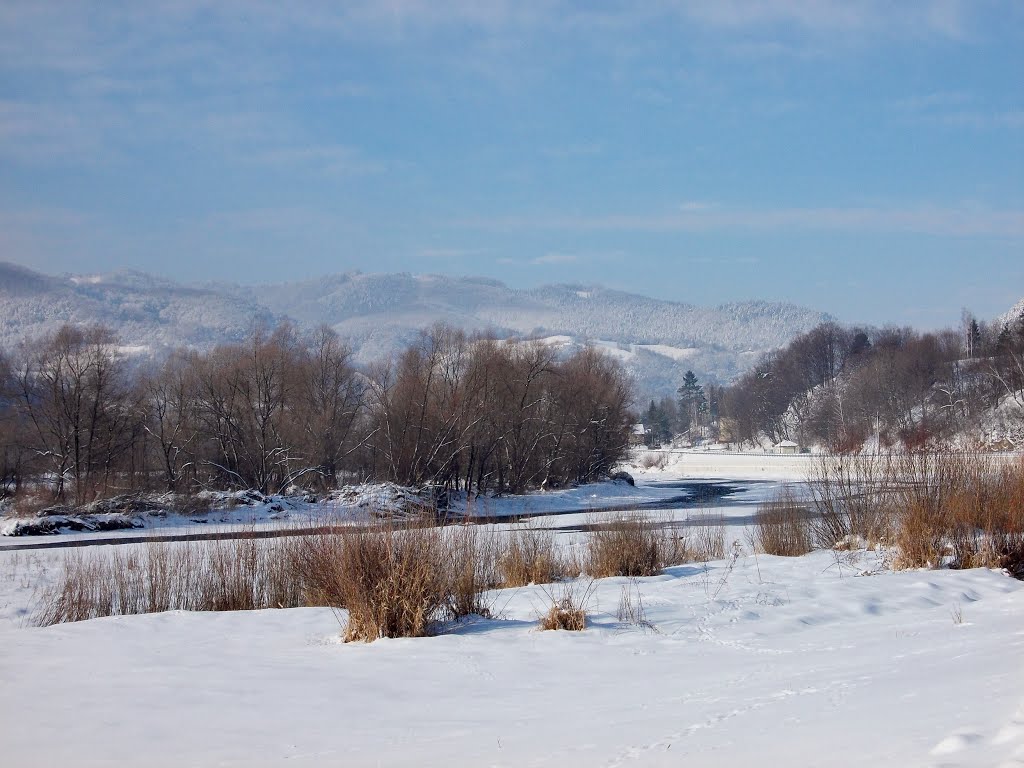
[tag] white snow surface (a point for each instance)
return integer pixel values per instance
(827, 659)
(773, 661)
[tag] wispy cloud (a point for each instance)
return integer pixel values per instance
(965, 221)
(450, 253)
(958, 109)
(554, 257)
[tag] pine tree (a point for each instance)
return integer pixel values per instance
(693, 404)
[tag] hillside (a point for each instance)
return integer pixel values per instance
(378, 313)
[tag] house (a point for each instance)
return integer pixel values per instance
(639, 435)
(786, 446)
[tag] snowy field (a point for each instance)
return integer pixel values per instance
(828, 659)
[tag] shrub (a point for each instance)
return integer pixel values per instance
(568, 606)
(852, 498)
(920, 536)
(782, 526)
(531, 556)
(630, 544)
(654, 459)
(394, 583)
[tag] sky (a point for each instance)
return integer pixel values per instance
(863, 158)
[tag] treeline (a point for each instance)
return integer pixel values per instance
(692, 415)
(837, 387)
(84, 420)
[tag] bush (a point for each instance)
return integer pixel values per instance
(782, 526)
(531, 556)
(654, 460)
(568, 608)
(394, 583)
(852, 496)
(630, 544)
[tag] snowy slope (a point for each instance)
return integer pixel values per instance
(144, 310)
(381, 313)
(1015, 313)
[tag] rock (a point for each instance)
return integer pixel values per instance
(624, 477)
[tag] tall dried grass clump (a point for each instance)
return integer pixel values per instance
(630, 544)
(394, 583)
(987, 518)
(474, 553)
(400, 581)
(782, 526)
(530, 555)
(568, 604)
(707, 538)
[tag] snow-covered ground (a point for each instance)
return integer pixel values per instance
(676, 463)
(828, 659)
(772, 661)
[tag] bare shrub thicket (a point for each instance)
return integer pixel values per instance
(852, 496)
(631, 544)
(782, 526)
(959, 508)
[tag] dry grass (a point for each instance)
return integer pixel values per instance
(782, 526)
(473, 551)
(631, 608)
(394, 583)
(631, 544)
(222, 575)
(568, 606)
(920, 537)
(852, 496)
(654, 460)
(958, 508)
(707, 538)
(530, 555)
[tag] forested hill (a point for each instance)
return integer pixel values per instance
(376, 314)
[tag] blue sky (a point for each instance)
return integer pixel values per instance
(865, 158)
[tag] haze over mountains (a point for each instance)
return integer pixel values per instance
(379, 313)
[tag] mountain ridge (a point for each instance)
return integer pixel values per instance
(378, 313)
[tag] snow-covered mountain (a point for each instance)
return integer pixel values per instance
(1015, 314)
(378, 313)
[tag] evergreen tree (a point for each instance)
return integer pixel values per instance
(693, 404)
